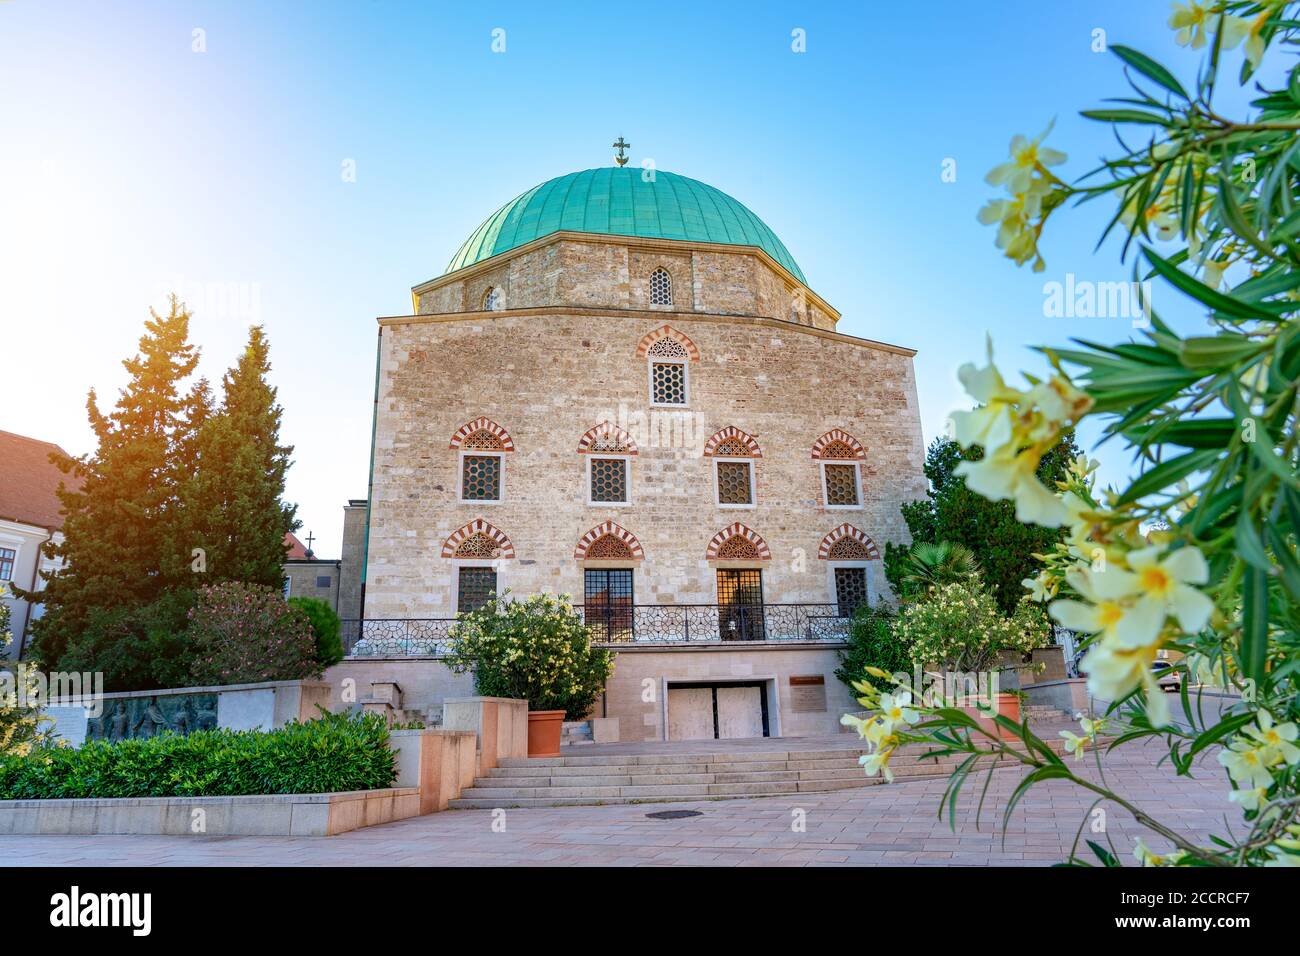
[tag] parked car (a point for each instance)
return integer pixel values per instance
(1167, 677)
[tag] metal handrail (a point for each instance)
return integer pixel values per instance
(620, 624)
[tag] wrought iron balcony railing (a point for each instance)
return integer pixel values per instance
(616, 624)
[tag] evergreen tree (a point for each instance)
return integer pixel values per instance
(1001, 545)
(118, 527)
(233, 500)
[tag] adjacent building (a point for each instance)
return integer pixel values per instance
(29, 517)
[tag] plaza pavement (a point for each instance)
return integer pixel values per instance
(873, 826)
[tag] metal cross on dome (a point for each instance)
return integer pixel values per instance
(621, 146)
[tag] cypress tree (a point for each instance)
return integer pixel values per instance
(233, 500)
(119, 524)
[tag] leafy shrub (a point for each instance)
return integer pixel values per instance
(326, 626)
(244, 633)
(21, 727)
(961, 628)
(331, 753)
(141, 648)
(873, 642)
(538, 649)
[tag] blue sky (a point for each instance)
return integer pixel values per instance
(131, 164)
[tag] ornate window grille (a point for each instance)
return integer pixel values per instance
(661, 287)
(608, 480)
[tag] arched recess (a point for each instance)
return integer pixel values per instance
(609, 542)
(847, 543)
(478, 539)
(667, 342)
(606, 437)
(481, 434)
(736, 542)
(838, 444)
(734, 442)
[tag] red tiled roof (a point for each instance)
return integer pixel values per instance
(297, 551)
(28, 481)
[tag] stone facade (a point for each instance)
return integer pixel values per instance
(547, 372)
(566, 269)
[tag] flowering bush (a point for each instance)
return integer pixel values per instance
(22, 728)
(959, 627)
(538, 650)
(244, 633)
(1196, 555)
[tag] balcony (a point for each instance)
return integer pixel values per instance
(617, 625)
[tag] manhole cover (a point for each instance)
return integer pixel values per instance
(674, 814)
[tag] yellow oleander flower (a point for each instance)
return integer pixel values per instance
(878, 762)
(897, 709)
(1040, 588)
(1014, 217)
(1169, 584)
(1114, 670)
(1008, 474)
(1108, 608)
(1277, 740)
(1284, 852)
(1193, 21)
(1074, 744)
(1027, 155)
(1056, 403)
(1251, 798)
(1145, 857)
(1246, 764)
(990, 424)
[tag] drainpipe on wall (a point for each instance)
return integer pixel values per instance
(31, 587)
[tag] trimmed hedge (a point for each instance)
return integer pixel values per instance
(334, 752)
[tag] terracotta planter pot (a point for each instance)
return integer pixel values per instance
(1009, 707)
(544, 728)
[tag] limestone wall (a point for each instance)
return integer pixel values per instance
(612, 273)
(546, 379)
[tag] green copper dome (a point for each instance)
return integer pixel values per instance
(615, 201)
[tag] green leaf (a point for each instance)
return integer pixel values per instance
(1168, 473)
(1254, 632)
(1203, 293)
(1125, 116)
(1218, 351)
(1107, 858)
(1149, 68)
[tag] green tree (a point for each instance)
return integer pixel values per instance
(325, 625)
(119, 524)
(1002, 546)
(929, 566)
(233, 507)
(873, 642)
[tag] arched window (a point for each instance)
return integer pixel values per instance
(733, 453)
(494, 300)
(848, 552)
(482, 444)
(661, 287)
(841, 457)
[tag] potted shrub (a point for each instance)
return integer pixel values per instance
(538, 650)
(959, 629)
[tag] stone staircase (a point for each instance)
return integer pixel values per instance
(591, 779)
(707, 770)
